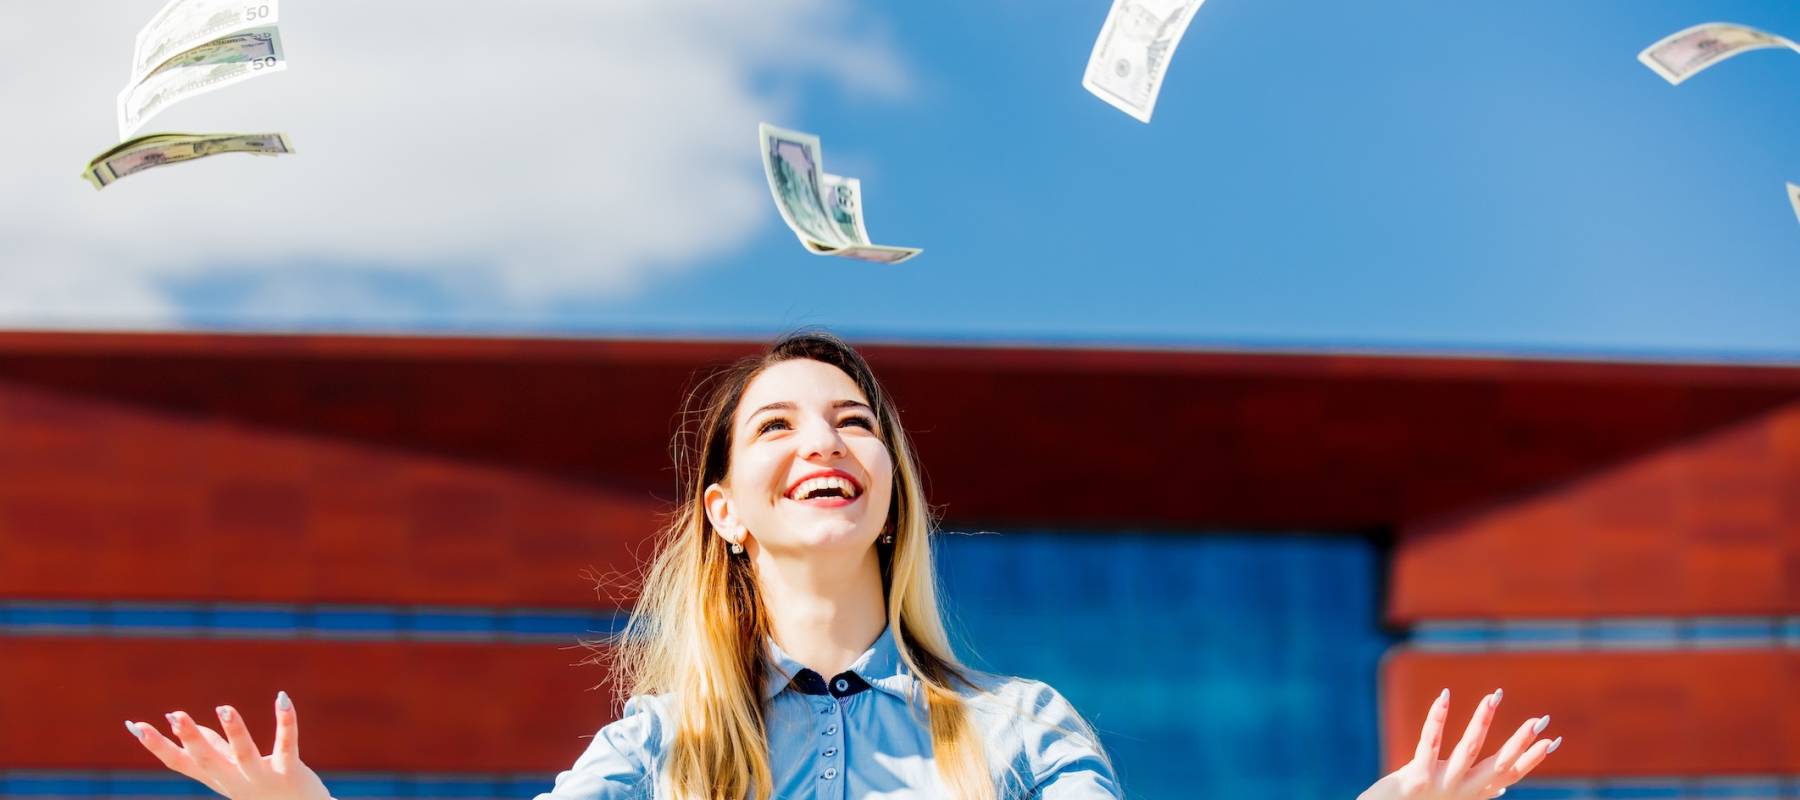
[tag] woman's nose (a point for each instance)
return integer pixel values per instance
(821, 439)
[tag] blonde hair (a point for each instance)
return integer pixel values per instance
(698, 628)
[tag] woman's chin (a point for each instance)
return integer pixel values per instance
(827, 534)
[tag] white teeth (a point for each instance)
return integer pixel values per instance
(843, 485)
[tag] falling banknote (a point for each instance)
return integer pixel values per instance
(1685, 54)
(185, 24)
(146, 152)
(1132, 54)
(207, 67)
(1794, 197)
(823, 210)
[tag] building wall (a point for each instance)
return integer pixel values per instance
(1654, 605)
(405, 536)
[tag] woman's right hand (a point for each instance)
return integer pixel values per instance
(232, 765)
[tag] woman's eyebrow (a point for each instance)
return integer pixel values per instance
(776, 406)
(784, 405)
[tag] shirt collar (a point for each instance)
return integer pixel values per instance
(880, 666)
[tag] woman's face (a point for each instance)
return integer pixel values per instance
(809, 469)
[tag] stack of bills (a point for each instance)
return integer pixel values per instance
(189, 48)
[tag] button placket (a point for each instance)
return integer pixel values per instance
(831, 753)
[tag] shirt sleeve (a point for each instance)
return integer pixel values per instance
(1067, 763)
(620, 763)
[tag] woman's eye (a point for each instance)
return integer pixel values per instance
(865, 422)
(769, 425)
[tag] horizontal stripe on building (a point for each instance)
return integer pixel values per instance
(1783, 787)
(344, 786)
(1608, 633)
(323, 622)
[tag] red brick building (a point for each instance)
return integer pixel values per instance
(1641, 520)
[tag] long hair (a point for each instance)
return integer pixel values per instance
(698, 628)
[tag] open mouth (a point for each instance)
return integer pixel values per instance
(825, 490)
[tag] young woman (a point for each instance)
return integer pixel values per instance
(788, 643)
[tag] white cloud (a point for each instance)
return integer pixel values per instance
(553, 147)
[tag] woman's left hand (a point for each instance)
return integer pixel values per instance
(1460, 777)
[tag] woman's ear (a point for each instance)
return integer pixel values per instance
(720, 513)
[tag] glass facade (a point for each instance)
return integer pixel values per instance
(1213, 665)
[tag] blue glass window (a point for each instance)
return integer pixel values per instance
(1212, 665)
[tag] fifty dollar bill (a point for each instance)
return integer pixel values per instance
(823, 210)
(214, 65)
(1132, 54)
(162, 149)
(1686, 53)
(184, 24)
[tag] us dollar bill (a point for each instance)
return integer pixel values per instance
(1132, 54)
(1684, 54)
(1794, 197)
(823, 210)
(208, 67)
(843, 204)
(880, 254)
(184, 24)
(157, 150)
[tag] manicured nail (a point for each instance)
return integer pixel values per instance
(1501, 792)
(1542, 723)
(1444, 695)
(1498, 693)
(224, 713)
(1553, 745)
(135, 730)
(173, 724)
(282, 702)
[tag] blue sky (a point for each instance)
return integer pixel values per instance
(1398, 175)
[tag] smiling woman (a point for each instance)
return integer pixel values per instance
(801, 548)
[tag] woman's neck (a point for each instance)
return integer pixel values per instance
(824, 614)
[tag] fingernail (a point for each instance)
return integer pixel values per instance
(1541, 725)
(1444, 695)
(1499, 693)
(1501, 792)
(224, 713)
(171, 718)
(282, 702)
(135, 730)
(1554, 745)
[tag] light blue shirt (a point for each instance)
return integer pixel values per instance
(862, 741)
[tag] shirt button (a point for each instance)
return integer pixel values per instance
(830, 751)
(843, 685)
(830, 772)
(831, 731)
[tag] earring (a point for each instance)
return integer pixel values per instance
(887, 538)
(737, 549)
